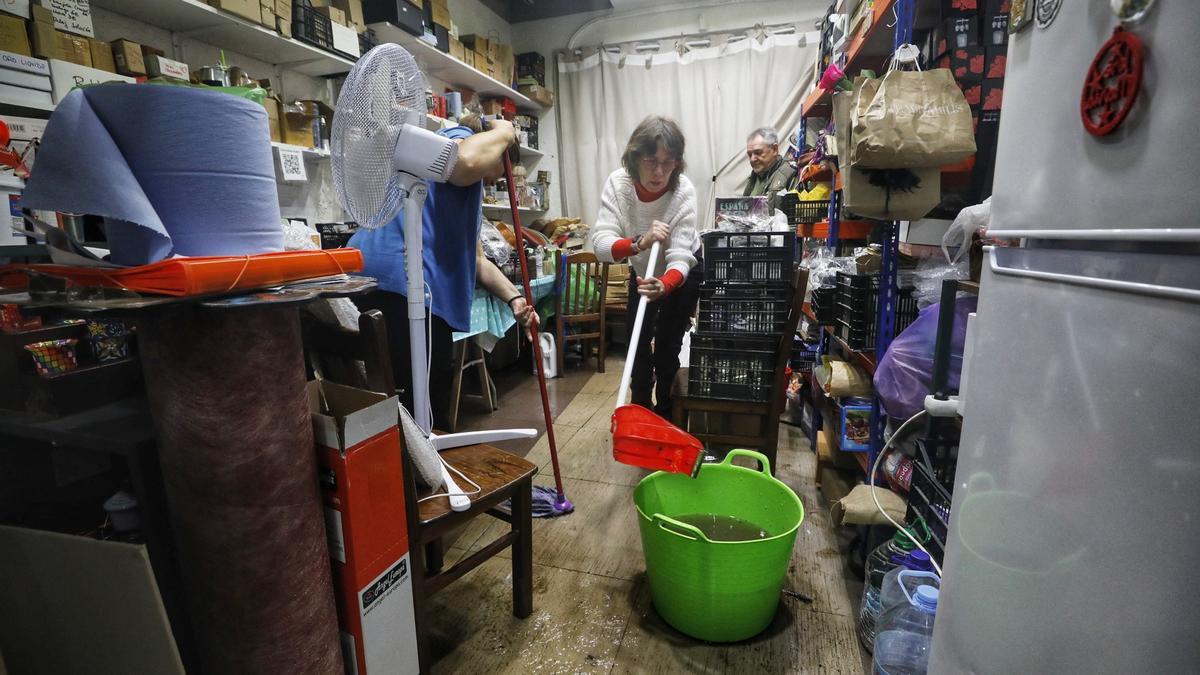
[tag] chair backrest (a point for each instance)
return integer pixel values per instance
(784, 353)
(583, 285)
(330, 347)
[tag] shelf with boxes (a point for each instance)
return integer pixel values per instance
(454, 72)
(233, 26)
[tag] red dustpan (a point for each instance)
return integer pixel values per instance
(641, 438)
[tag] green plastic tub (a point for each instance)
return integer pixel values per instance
(719, 591)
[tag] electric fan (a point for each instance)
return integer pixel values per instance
(381, 156)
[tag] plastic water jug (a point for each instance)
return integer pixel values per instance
(891, 594)
(885, 558)
(549, 356)
(906, 630)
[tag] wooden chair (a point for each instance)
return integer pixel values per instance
(586, 305)
(744, 424)
(501, 476)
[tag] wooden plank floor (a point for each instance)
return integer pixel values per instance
(592, 606)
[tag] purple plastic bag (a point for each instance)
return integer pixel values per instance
(905, 374)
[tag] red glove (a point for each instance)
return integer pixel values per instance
(671, 280)
(622, 249)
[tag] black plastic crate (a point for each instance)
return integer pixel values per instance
(857, 309)
(311, 27)
(734, 369)
(759, 257)
(824, 305)
(906, 308)
(743, 310)
(930, 501)
(367, 41)
(803, 212)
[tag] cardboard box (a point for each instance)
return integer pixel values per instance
(75, 49)
(13, 37)
(54, 570)
(335, 15)
(284, 26)
(468, 57)
(924, 232)
(266, 10)
(272, 106)
(161, 66)
(102, 56)
(493, 51)
(508, 64)
(247, 9)
(541, 95)
(304, 123)
(457, 50)
(476, 43)
(44, 41)
(441, 16)
(361, 474)
(65, 76)
(41, 14)
(353, 10)
(24, 64)
(127, 56)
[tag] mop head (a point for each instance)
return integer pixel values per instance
(548, 504)
(422, 453)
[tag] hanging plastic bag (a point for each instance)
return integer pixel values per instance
(905, 373)
(969, 221)
(911, 119)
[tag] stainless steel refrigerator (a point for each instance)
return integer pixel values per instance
(1074, 543)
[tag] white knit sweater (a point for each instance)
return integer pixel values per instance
(622, 215)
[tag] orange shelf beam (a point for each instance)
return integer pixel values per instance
(877, 36)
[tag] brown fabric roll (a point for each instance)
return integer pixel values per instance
(226, 388)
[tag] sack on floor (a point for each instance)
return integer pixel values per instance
(911, 119)
(858, 507)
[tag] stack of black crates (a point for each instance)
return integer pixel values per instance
(743, 312)
(851, 306)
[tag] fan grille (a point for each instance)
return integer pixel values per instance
(371, 111)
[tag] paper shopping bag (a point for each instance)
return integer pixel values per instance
(864, 195)
(912, 119)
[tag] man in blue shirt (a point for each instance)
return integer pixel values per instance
(452, 265)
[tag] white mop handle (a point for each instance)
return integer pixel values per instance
(627, 375)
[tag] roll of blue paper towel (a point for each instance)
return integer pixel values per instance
(172, 170)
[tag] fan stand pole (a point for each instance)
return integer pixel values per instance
(414, 207)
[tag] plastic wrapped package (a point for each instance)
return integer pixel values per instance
(495, 246)
(905, 373)
(930, 274)
(299, 237)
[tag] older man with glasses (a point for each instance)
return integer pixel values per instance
(770, 173)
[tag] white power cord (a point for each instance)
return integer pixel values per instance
(883, 452)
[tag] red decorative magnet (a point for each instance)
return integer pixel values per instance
(1112, 83)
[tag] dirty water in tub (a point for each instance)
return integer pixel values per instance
(723, 528)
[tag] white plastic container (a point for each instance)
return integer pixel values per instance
(905, 631)
(122, 510)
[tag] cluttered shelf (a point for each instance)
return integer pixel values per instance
(861, 359)
(438, 64)
(864, 462)
(309, 153)
(202, 21)
(505, 208)
(871, 43)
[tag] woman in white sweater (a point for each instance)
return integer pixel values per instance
(647, 200)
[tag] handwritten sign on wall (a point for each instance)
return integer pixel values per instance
(72, 16)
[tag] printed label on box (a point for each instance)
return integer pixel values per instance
(291, 162)
(72, 16)
(24, 63)
(388, 625)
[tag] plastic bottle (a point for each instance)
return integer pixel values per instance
(885, 558)
(905, 632)
(890, 593)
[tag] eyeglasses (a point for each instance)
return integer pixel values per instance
(667, 166)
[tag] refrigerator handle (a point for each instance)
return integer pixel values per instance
(1018, 256)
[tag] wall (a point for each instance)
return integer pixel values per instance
(314, 200)
(611, 27)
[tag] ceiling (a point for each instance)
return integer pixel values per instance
(516, 11)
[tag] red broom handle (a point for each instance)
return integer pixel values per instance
(533, 331)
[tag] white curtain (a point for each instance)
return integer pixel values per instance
(718, 94)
